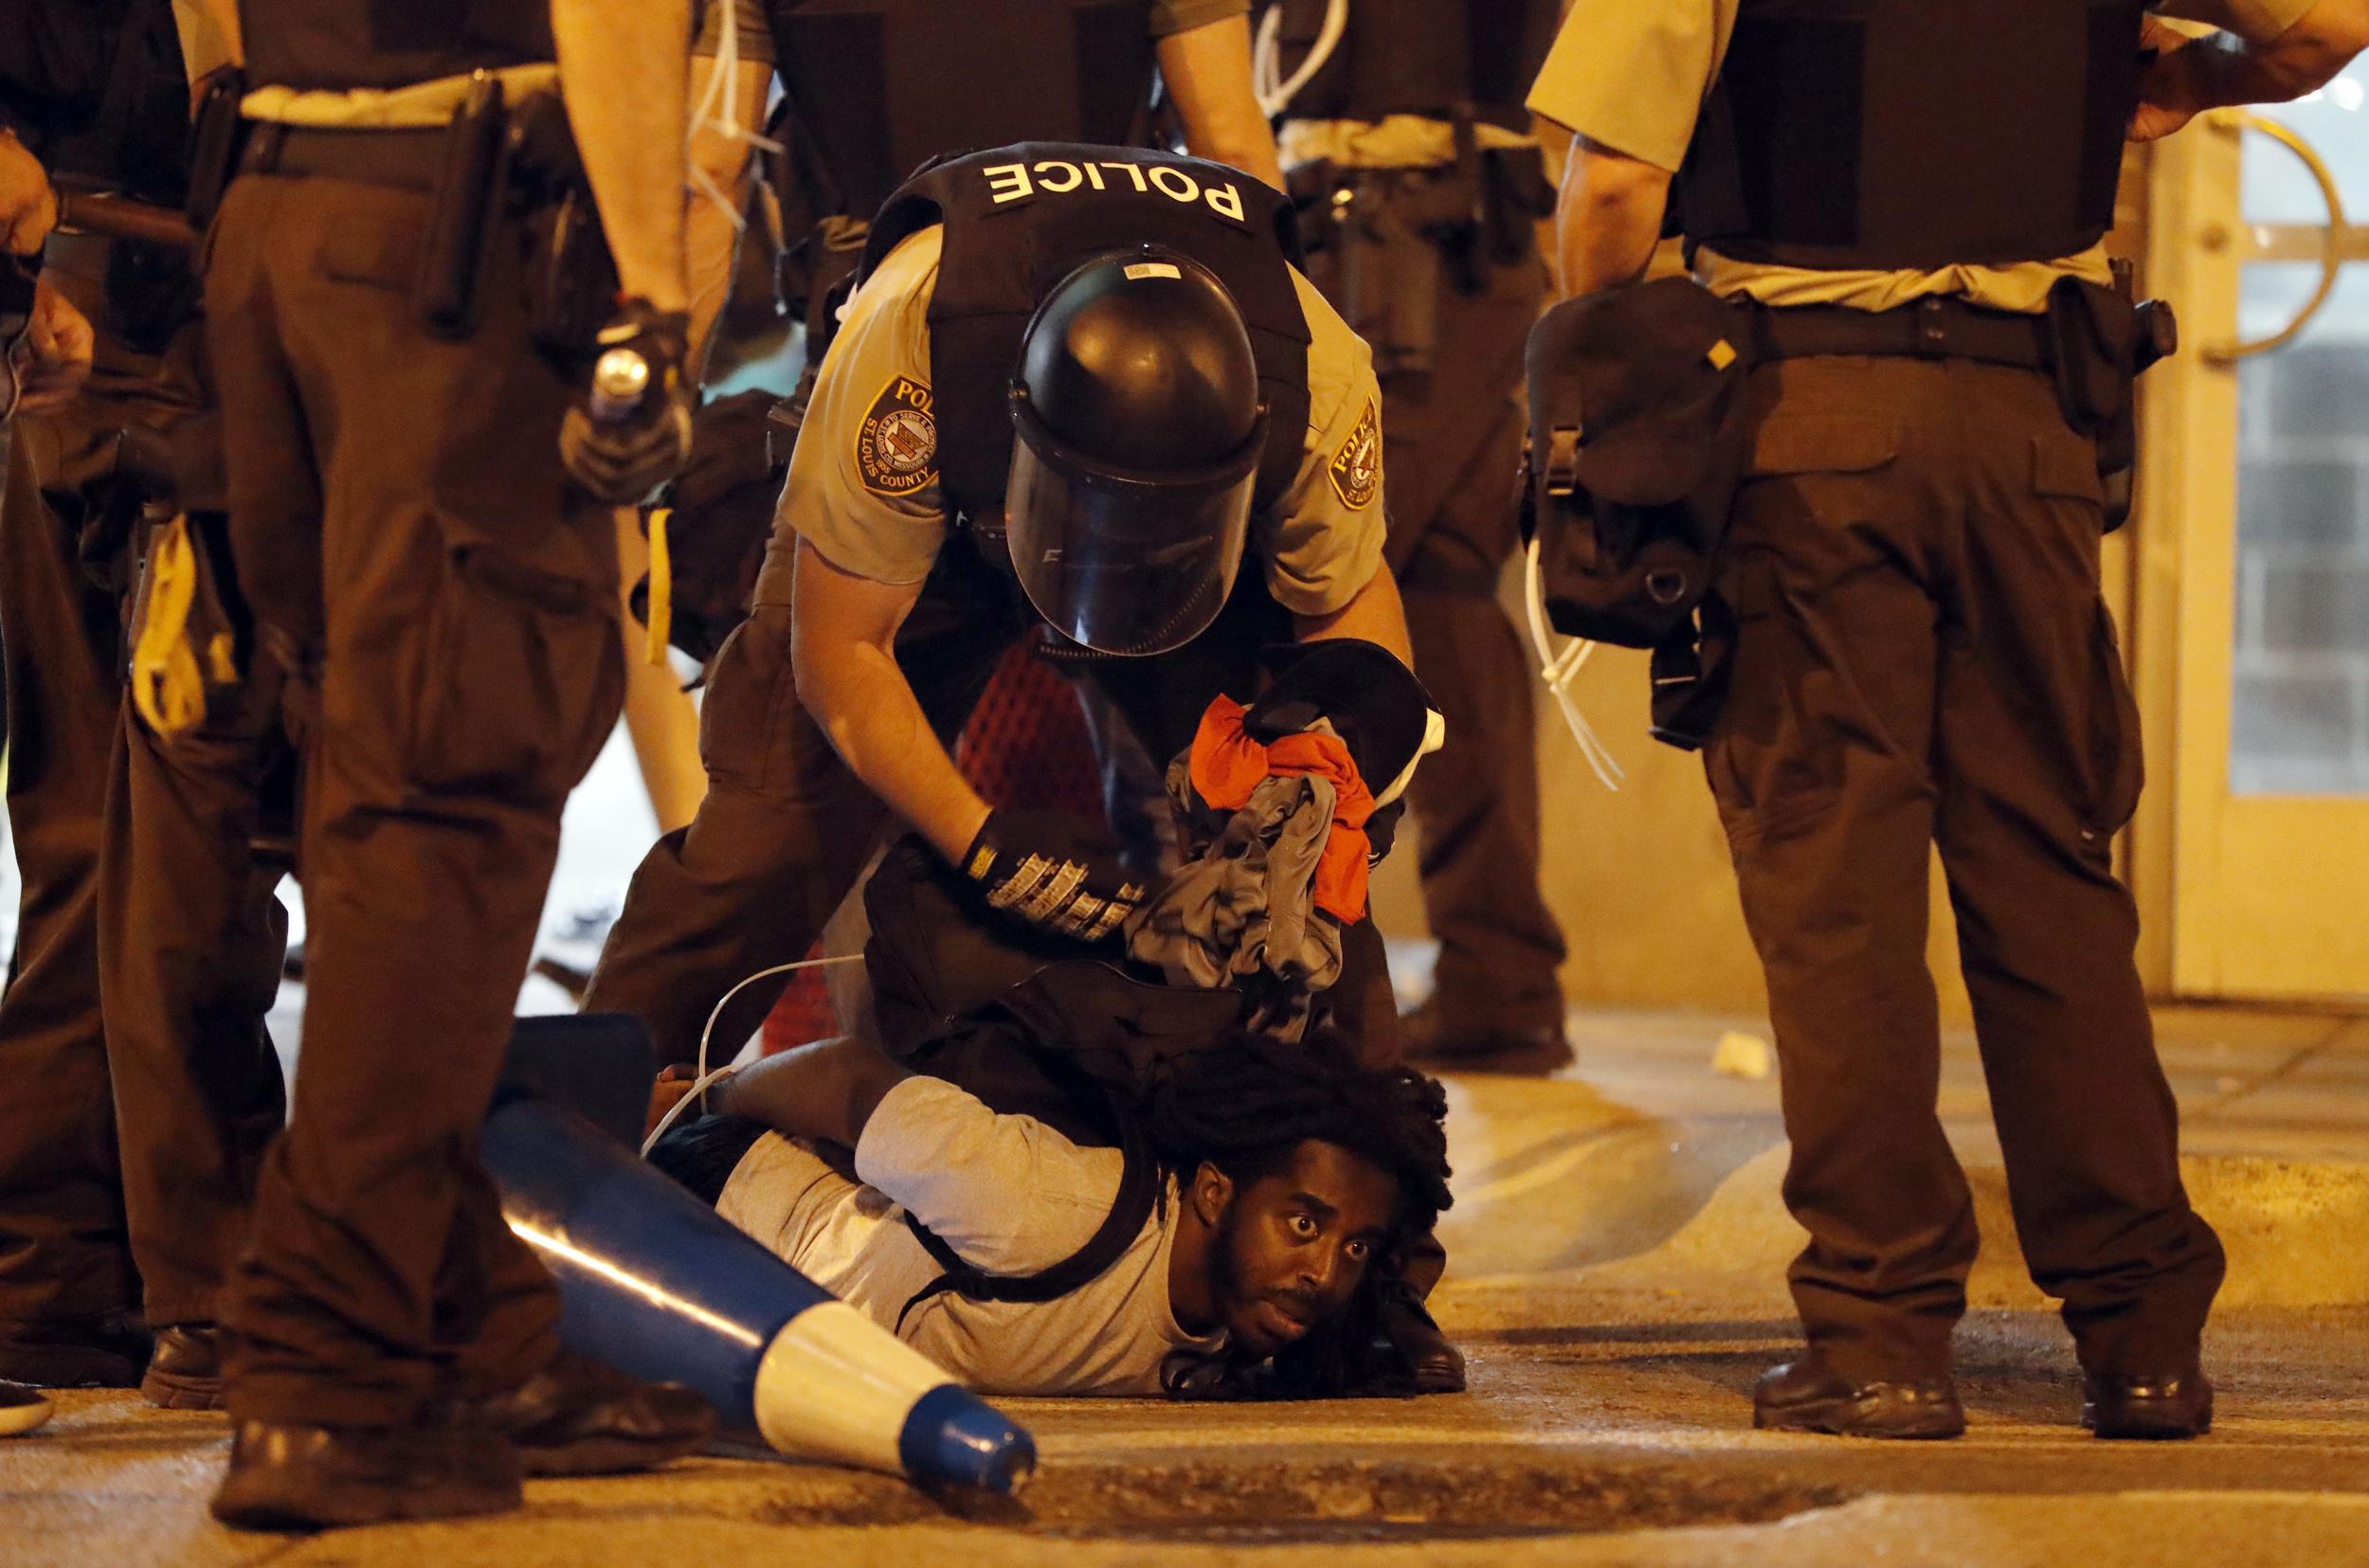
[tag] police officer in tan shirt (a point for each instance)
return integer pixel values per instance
(1898, 194)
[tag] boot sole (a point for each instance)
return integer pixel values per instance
(608, 1455)
(283, 1516)
(167, 1391)
(1840, 1421)
(2149, 1429)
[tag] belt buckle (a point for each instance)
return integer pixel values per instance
(1932, 328)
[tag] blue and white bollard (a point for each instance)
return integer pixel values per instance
(655, 1283)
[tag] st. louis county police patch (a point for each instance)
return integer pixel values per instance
(896, 449)
(1356, 468)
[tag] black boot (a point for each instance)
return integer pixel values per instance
(578, 1417)
(2165, 1406)
(1806, 1397)
(75, 1352)
(284, 1476)
(185, 1371)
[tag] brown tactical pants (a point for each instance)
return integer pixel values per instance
(64, 1254)
(182, 1066)
(1452, 438)
(785, 828)
(446, 608)
(1924, 659)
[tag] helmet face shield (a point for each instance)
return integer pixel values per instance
(1125, 562)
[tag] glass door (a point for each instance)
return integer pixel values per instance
(2259, 433)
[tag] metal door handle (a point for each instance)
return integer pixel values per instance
(2234, 122)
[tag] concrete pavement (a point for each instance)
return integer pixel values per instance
(1616, 1254)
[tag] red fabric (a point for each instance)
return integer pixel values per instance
(1227, 764)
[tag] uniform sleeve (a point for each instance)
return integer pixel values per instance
(2255, 21)
(1632, 74)
(863, 479)
(1175, 16)
(1007, 1193)
(1324, 543)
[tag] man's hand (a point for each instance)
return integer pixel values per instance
(2191, 75)
(56, 358)
(2165, 99)
(632, 431)
(1054, 871)
(28, 210)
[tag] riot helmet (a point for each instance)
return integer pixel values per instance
(1138, 431)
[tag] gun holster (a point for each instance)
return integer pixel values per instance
(2101, 343)
(463, 216)
(217, 141)
(572, 276)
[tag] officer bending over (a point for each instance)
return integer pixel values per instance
(1287, 1175)
(1080, 394)
(1906, 198)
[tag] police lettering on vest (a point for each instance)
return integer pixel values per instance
(1914, 133)
(1016, 181)
(1019, 219)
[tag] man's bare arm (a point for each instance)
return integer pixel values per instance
(2190, 76)
(624, 68)
(1607, 219)
(843, 656)
(826, 1091)
(1376, 615)
(1207, 70)
(713, 239)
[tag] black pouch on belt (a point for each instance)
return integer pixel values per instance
(217, 138)
(2101, 343)
(1637, 445)
(461, 223)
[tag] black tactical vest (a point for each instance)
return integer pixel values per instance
(1420, 57)
(1914, 133)
(101, 90)
(879, 87)
(1019, 219)
(336, 44)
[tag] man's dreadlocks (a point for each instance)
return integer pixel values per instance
(1244, 1102)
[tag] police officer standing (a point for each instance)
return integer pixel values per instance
(181, 1063)
(397, 388)
(1407, 145)
(1921, 655)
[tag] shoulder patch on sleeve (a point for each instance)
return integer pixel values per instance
(1356, 468)
(896, 445)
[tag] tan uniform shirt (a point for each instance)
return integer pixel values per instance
(863, 482)
(1632, 75)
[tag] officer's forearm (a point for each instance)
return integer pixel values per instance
(1607, 219)
(843, 658)
(712, 237)
(1375, 615)
(2221, 70)
(623, 67)
(1207, 70)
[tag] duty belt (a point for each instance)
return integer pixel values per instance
(1935, 328)
(408, 159)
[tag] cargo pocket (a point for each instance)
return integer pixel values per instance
(525, 675)
(747, 706)
(2117, 763)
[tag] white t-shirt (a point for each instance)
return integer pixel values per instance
(1010, 1196)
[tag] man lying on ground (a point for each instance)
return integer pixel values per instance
(1289, 1176)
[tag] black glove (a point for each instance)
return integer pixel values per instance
(631, 432)
(1053, 870)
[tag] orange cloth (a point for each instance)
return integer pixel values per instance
(1227, 764)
